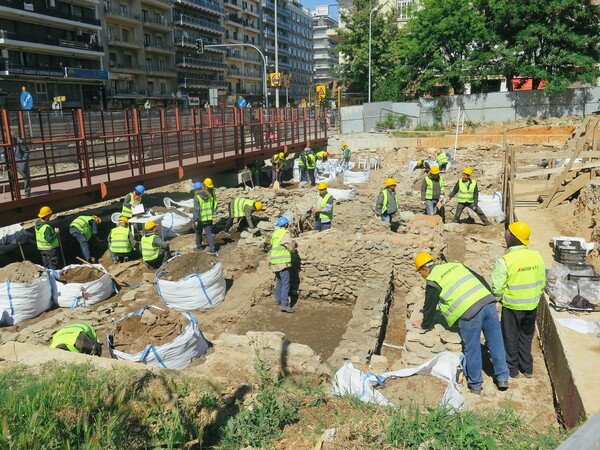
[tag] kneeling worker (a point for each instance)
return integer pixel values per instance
(77, 338)
(155, 251)
(121, 241)
(83, 228)
(242, 207)
(464, 297)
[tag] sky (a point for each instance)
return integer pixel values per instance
(312, 4)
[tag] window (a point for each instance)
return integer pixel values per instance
(405, 8)
(159, 42)
(41, 92)
(124, 10)
(109, 33)
(163, 89)
(149, 65)
(147, 40)
(112, 57)
(158, 18)
(145, 15)
(125, 35)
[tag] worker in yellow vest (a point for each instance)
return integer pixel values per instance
(302, 165)
(242, 207)
(277, 162)
(323, 208)
(432, 190)
(464, 297)
(205, 204)
(121, 241)
(282, 247)
(518, 281)
(467, 196)
(77, 338)
(346, 152)
(387, 204)
(155, 251)
(311, 165)
(47, 239)
(83, 228)
(442, 159)
(132, 199)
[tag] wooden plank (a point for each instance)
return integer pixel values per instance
(558, 182)
(544, 154)
(571, 188)
(541, 172)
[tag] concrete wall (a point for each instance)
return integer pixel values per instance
(492, 107)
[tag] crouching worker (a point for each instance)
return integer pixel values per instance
(121, 241)
(239, 208)
(155, 251)
(77, 338)
(83, 228)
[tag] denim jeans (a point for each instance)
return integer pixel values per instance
(487, 321)
(387, 218)
(282, 287)
(430, 208)
(321, 226)
(208, 229)
(83, 243)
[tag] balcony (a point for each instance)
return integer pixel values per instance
(158, 48)
(88, 16)
(43, 44)
(199, 81)
(157, 24)
(203, 5)
(198, 24)
(118, 42)
(121, 15)
(160, 72)
(199, 63)
(126, 67)
(165, 4)
(190, 43)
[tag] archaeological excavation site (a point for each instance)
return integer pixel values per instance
(212, 317)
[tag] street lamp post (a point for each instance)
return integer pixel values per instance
(276, 58)
(370, 26)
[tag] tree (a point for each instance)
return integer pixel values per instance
(557, 41)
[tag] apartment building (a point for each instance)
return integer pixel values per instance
(52, 48)
(295, 52)
(198, 73)
(139, 51)
(324, 41)
(244, 63)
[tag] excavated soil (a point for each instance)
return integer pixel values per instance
(184, 265)
(154, 327)
(425, 390)
(20, 272)
(80, 274)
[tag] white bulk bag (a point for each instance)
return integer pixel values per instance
(342, 194)
(72, 295)
(296, 171)
(21, 301)
(174, 224)
(356, 177)
(177, 354)
(491, 205)
(351, 381)
(197, 291)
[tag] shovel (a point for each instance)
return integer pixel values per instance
(118, 280)
(276, 185)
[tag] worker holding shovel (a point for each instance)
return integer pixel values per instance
(47, 239)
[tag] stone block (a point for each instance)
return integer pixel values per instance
(450, 338)
(429, 339)
(378, 364)
(418, 349)
(129, 296)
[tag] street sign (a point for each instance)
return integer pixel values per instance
(321, 92)
(242, 103)
(61, 98)
(56, 105)
(26, 100)
(275, 79)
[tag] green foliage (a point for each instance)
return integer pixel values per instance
(74, 406)
(530, 121)
(490, 429)
(394, 121)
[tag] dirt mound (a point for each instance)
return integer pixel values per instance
(184, 265)
(165, 210)
(425, 390)
(20, 272)
(80, 274)
(154, 326)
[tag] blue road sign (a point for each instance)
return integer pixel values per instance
(26, 100)
(242, 103)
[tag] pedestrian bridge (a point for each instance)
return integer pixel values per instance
(84, 157)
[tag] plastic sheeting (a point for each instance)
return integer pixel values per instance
(351, 381)
(11, 235)
(72, 295)
(491, 205)
(21, 301)
(343, 194)
(177, 354)
(197, 291)
(356, 177)
(174, 224)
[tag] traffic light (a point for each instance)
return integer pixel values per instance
(199, 46)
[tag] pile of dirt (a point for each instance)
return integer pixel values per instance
(20, 272)
(154, 326)
(425, 390)
(80, 274)
(184, 265)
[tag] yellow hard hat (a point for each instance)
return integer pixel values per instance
(124, 220)
(390, 182)
(438, 151)
(97, 219)
(344, 144)
(44, 211)
(419, 163)
(421, 259)
(150, 225)
(208, 183)
(258, 206)
(281, 155)
(521, 231)
(435, 170)
(322, 185)
(468, 171)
